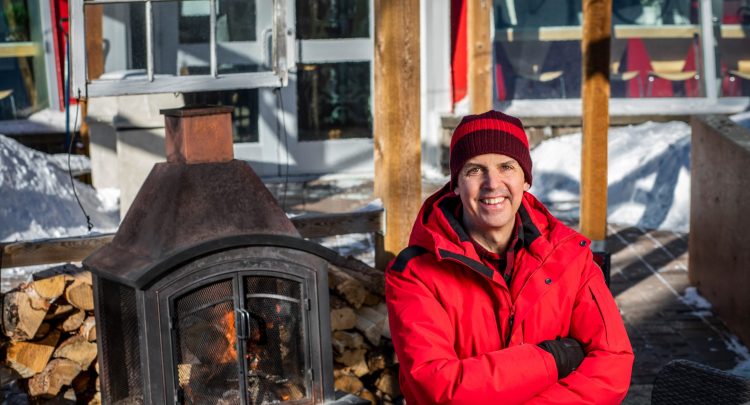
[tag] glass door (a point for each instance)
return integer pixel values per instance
(327, 107)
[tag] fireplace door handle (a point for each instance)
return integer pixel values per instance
(243, 319)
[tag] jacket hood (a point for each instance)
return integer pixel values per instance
(439, 231)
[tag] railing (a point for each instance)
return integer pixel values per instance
(75, 249)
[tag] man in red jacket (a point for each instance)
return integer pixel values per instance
(495, 300)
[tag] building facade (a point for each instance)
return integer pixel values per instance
(667, 56)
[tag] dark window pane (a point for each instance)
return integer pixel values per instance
(244, 116)
(14, 21)
(235, 21)
(321, 19)
(333, 101)
(194, 22)
(123, 36)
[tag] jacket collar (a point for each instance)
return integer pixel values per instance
(439, 230)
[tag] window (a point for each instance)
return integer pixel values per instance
(145, 46)
(23, 86)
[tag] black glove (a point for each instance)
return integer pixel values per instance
(567, 352)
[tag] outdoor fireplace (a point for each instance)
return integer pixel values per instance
(207, 293)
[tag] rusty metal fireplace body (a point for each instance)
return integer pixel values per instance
(207, 294)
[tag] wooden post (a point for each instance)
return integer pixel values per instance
(479, 47)
(94, 68)
(94, 41)
(396, 120)
(597, 16)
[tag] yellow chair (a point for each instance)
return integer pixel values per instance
(616, 76)
(671, 70)
(742, 72)
(545, 77)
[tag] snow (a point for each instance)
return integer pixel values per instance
(38, 200)
(692, 298)
(55, 118)
(742, 119)
(648, 177)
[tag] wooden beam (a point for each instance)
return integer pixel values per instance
(94, 41)
(397, 120)
(30, 253)
(322, 225)
(18, 49)
(597, 16)
(75, 249)
(479, 47)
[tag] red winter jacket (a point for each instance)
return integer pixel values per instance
(463, 337)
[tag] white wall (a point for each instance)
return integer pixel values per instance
(435, 75)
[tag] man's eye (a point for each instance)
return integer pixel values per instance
(506, 168)
(473, 170)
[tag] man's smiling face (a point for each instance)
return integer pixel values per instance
(491, 188)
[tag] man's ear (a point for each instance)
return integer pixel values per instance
(526, 186)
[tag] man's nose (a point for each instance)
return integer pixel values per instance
(492, 179)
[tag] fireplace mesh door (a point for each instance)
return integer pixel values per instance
(243, 348)
(274, 348)
(122, 383)
(206, 354)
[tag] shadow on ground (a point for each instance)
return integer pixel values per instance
(649, 279)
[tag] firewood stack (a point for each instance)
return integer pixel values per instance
(363, 359)
(48, 341)
(49, 337)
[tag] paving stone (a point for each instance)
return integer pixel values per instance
(660, 325)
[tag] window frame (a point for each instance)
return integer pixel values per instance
(282, 59)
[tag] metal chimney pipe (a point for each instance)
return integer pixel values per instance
(199, 134)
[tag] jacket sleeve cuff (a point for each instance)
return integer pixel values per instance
(549, 364)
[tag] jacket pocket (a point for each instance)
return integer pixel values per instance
(614, 329)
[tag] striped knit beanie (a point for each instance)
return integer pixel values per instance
(490, 132)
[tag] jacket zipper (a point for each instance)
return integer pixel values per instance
(510, 326)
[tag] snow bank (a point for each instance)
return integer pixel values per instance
(649, 175)
(742, 119)
(37, 198)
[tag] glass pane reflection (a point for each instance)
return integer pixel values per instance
(323, 19)
(733, 47)
(333, 101)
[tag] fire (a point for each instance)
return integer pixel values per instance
(227, 325)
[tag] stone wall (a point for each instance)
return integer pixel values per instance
(719, 264)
